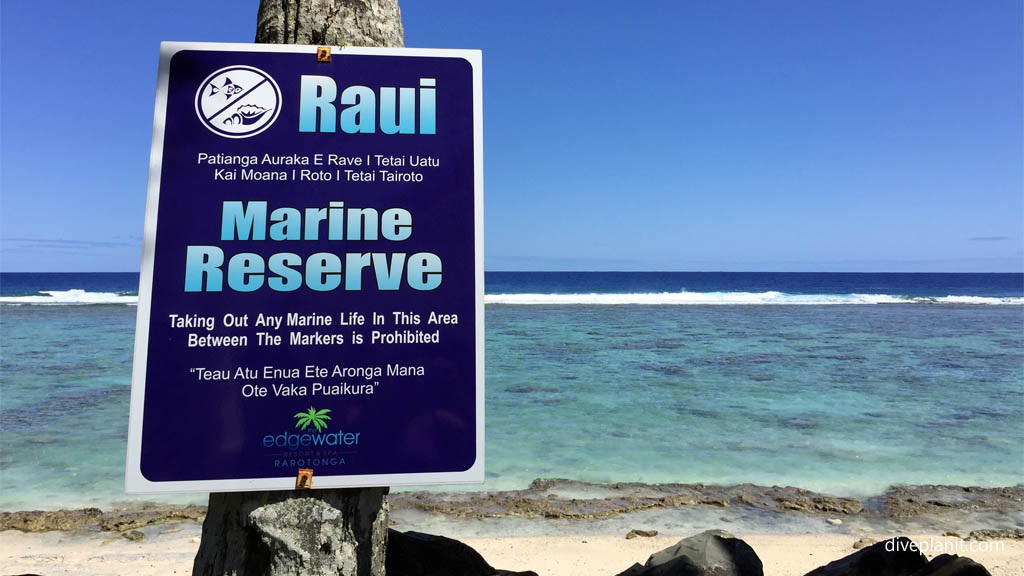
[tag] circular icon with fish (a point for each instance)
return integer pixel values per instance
(238, 101)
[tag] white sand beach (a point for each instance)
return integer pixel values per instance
(170, 549)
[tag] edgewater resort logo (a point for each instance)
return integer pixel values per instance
(319, 439)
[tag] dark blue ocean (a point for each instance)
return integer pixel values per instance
(844, 383)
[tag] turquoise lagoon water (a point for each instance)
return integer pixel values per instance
(839, 383)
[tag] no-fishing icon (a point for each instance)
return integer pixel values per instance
(238, 101)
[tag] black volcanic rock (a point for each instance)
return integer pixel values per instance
(711, 553)
(892, 557)
(418, 554)
(952, 565)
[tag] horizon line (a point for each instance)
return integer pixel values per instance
(605, 272)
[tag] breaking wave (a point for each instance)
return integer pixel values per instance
(81, 297)
(736, 299)
(71, 297)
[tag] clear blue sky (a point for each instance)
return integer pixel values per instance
(690, 135)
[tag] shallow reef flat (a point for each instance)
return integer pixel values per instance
(560, 506)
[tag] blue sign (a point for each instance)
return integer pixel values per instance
(311, 290)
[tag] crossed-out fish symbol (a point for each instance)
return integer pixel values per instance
(228, 88)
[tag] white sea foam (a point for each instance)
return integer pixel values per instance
(979, 300)
(734, 299)
(79, 297)
(71, 297)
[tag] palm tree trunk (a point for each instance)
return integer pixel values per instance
(331, 22)
(332, 531)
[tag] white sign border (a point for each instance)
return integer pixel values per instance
(135, 482)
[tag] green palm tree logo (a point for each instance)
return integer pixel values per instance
(313, 416)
